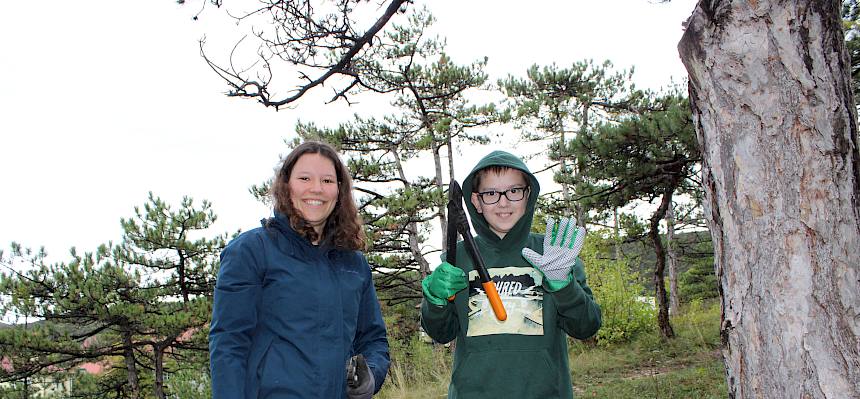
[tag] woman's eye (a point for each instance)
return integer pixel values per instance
(514, 190)
(328, 181)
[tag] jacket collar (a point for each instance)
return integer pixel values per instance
(292, 242)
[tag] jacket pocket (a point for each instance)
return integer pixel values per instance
(506, 374)
(267, 368)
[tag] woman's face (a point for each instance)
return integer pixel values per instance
(313, 189)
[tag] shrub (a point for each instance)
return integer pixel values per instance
(617, 291)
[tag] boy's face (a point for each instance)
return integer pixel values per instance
(503, 215)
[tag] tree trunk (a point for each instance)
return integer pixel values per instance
(659, 285)
(131, 367)
(617, 234)
(562, 143)
(412, 227)
(437, 162)
(771, 98)
(672, 260)
(434, 149)
(159, 370)
(583, 127)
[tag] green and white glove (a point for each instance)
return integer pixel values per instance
(561, 246)
(445, 281)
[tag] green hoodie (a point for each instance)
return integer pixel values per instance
(524, 356)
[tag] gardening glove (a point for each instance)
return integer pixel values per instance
(561, 245)
(445, 281)
(359, 380)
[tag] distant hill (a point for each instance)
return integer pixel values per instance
(37, 323)
(693, 247)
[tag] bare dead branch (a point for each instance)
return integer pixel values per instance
(299, 39)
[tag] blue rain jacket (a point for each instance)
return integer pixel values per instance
(287, 316)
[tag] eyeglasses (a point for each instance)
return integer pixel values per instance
(513, 194)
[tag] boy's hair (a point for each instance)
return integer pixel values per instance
(494, 169)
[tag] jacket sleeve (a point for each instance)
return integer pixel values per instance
(579, 315)
(234, 318)
(370, 336)
(440, 322)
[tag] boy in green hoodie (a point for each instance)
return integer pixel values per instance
(539, 278)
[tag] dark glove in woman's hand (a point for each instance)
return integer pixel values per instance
(359, 380)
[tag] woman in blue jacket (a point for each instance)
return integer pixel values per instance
(294, 299)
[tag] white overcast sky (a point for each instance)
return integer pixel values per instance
(103, 101)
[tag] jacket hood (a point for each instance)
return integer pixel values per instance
(521, 229)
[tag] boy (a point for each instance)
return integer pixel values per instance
(546, 296)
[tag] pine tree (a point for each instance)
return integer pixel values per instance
(136, 306)
(181, 270)
(646, 155)
(560, 102)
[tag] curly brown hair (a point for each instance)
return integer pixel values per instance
(343, 226)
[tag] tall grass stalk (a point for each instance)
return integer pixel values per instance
(418, 370)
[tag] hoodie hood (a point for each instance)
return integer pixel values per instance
(519, 233)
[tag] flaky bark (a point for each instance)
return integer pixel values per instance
(769, 84)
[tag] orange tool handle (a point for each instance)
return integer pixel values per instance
(495, 301)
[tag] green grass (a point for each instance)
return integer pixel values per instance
(687, 366)
(701, 381)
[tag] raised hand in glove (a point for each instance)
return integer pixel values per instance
(445, 281)
(359, 380)
(561, 246)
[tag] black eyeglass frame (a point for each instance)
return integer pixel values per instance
(481, 194)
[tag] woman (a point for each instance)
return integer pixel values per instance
(294, 299)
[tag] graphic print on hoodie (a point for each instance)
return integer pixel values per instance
(520, 290)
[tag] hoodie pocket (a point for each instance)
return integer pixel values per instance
(506, 374)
